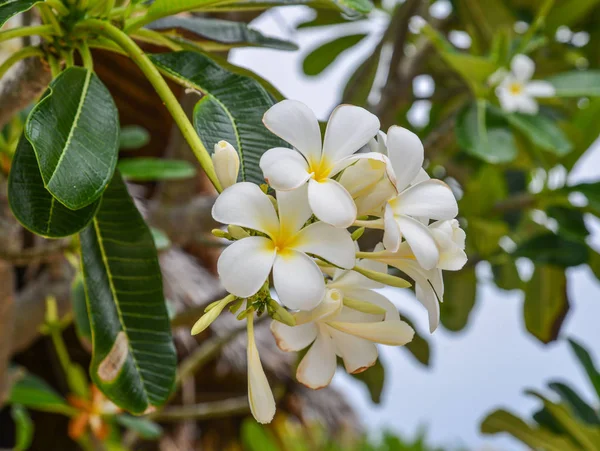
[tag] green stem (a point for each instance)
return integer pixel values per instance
(69, 58)
(54, 65)
(108, 7)
(86, 56)
(374, 224)
(536, 24)
(153, 37)
(44, 30)
(162, 88)
(59, 7)
(49, 17)
(23, 53)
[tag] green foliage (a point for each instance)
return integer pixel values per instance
(10, 8)
(577, 84)
(80, 312)
(32, 392)
(374, 379)
(24, 427)
(34, 206)
(148, 169)
(74, 131)
(145, 428)
(542, 132)
(133, 359)
(231, 109)
(459, 298)
(322, 57)
(133, 137)
(552, 249)
(419, 346)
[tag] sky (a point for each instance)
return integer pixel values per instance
(490, 363)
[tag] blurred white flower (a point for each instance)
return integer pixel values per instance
(245, 265)
(227, 163)
(517, 91)
(349, 128)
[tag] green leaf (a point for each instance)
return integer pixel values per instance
(485, 234)
(460, 294)
(133, 359)
(227, 32)
(546, 302)
(32, 204)
(80, 312)
(474, 70)
(231, 109)
(320, 58)
(148, 169)
(569, 13)
(31, 391)
(147, 429)
(74, 131)
(541, 131)
(537, 438)
(594, 262)
(133, 137)
(588, 364)
(10, 8)
(583, 411)
(553, 249)
(256, 437)
(577, 83)
(373, 378)
(506, 276)
(487, 18)
(24, 427)
(419, 346)
(491, 143)
(591, 191)
(570, 222)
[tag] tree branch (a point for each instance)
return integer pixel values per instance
(23, 83)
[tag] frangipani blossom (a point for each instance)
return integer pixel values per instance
(90, 414)
(517, 91)
(349, 128)
(334, 329)
(244, 266)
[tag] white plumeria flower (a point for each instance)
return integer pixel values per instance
(349, 128)
(227, 163)
(245, 265)
(419, 198)
(333, 329)
(517, 91)
(429, 284)
(260, 396)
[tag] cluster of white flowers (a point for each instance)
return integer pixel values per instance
(516, 90)
(357, 177)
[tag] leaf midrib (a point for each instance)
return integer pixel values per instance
(84, 93)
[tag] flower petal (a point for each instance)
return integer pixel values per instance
(427, 297)
(393, 333)
(293, 338)
(420, 241)
(244, 266)
(391, 234)
(245, 205)
(294, 209)
(349, 128)
(358, 354)
(378, 299)
(527, 104)
(405, 151)
(508, 101)
(260, 396)
(421, 177)
(333, 244)
(330, 306)
(431, 199)
(522, 67)
(295, 123)
(284, 169)
(298, 280)
(373, 202)
(331, 203)
(452, 260)
(540, 88)
(361, 177)
(318, 365)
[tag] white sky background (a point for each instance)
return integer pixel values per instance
(491, 362)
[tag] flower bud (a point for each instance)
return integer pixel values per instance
(384, 278)
(237, 232)
(363, 306)
(227, 163)
(212, 311)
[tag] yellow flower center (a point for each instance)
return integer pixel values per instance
(515, 88)
(320, 169)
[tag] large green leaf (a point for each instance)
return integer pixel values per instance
(133, 360)
(231, 109)
(582, 410)
(537, 438)
(10, 8)
(232, 34)
(460, 293)
(542, 132)
(506, 275)
(553, 249)
(577, 83)
(588, 364)
(74, 131)
(31, 391)
(546, 303)
(147, 169)
(419, 346)
(492, 143)
(571, 223)
(34, 206)
(374, 379)
(320, 58)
